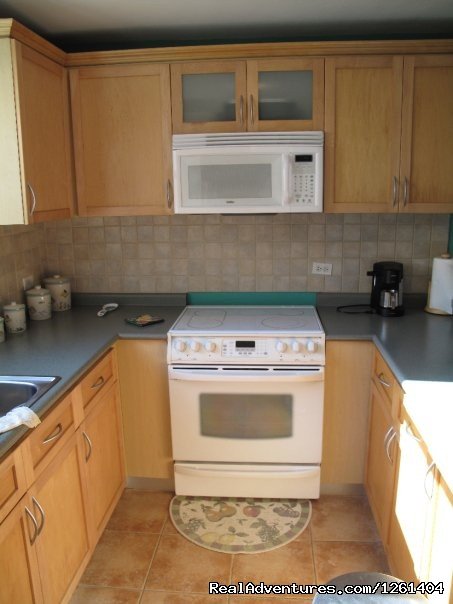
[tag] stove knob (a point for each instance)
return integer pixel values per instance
(210, 346)
(311, 346)
(180, 345)
(280, 346)
(295, 346)
(195, 346)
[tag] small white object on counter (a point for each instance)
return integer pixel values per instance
(107, 308)
(15, 320)
(440, 299)
(39, 303)
(17, 417)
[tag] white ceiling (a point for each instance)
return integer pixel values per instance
(118, 23)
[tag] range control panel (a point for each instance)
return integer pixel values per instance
(242, 350)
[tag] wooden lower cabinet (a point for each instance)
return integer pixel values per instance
(142, 366)
(57, 502)
(380, 474)
(346, 401)
(102, 445)
(19, 578)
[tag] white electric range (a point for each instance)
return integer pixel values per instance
(246, 399)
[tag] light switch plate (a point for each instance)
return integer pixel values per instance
(27, 282)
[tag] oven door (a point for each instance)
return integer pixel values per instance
(248, 415)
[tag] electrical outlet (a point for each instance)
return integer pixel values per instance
(27, 282)
(321, 268)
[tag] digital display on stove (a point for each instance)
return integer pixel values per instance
(245, 344)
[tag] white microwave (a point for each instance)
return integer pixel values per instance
(248, 173)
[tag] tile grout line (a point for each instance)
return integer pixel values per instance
(152, 557)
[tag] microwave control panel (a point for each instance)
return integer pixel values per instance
(303, 179)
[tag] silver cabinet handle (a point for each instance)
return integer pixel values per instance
(53, 435)
(431, 466)
(406, 192)
(90, 445)
(387, 435)
(395, 191)
(169, 195)
(33, 197)
(387, 448)
(35, 526)
(252, 111)
(41, 511)
(381, 377)
(241, 110)
(99, 382)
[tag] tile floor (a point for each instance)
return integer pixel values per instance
(141, 558)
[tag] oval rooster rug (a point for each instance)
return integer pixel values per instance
(237, 525)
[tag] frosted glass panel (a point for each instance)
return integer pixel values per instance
(209, 97)
(285, 95)
(255, 416)
(225, 181)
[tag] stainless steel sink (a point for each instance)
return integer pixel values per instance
(25, 390)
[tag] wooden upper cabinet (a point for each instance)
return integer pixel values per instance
(362, 127)
(248, 95)
(35, 150)
(122, 139)
(427, 134)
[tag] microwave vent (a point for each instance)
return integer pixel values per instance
(195, 141)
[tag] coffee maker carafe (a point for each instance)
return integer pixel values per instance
(387, 288)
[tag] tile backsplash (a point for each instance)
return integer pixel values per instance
(221, 253)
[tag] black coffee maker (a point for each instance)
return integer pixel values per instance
(387, 288)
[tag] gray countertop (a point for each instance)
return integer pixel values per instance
(418, 347)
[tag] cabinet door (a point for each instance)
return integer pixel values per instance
(285, 94)
(44, 131)
(408, 537)
(208, 96)
(441, 562)
(142, 366)
(427, 138)
(122, 139)
(103, 457)
(380, 471)
(62, 545)
(363, 130)
(19, 579)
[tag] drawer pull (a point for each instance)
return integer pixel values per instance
(43, 516)
(381, 378)
(429, 494)
(99, 382)
(35, 526)
(90, 445)
(387, 448)
(55, 434)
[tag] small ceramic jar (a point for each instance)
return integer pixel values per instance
(15, 317)
(38, 303)
(60, 292)
(2, 329)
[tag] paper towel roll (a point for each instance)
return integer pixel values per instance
(441, 292)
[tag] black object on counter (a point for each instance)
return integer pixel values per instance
(387, 288)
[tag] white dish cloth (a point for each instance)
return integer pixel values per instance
(17, 417)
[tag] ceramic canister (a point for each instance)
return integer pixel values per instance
(15, 317)
(60, 292)
(38, 303)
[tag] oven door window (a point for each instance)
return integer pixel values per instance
(246, 416)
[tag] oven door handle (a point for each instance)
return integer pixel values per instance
(238, 375)
(216, 473)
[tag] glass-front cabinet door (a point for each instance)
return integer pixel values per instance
(285, 94)
(208, 96)
(253, 95)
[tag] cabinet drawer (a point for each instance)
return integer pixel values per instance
(46, 440)
(12, 482)
(384, 379)
(97, 379)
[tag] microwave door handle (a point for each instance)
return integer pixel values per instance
(236, 473)
(286, 180)
(188, 375)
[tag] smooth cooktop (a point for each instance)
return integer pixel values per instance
(248, 319)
